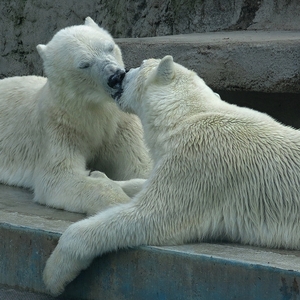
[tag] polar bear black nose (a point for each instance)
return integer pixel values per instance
(115, 80)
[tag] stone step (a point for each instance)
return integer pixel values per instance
(8, 293)
(252, 60)
(29, 232)
(257, 61)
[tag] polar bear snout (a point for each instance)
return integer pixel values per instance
(115, 80)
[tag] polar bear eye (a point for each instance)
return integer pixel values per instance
(110, 47)
(84, 65)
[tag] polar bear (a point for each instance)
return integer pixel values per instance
(220, 172)
(54, 131)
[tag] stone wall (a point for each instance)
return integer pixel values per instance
(26, 23)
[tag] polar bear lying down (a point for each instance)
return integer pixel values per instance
(54, 130)
(220, 172)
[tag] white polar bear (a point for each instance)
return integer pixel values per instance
(54, 130)
(220, 172)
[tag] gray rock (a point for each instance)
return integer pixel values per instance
(24, 24)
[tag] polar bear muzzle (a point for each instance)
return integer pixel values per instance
(115, 80)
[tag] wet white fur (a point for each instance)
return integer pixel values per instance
(220, 172)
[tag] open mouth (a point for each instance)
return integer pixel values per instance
(116, 79)
(117, 95)
(115, 82)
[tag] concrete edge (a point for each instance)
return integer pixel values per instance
(33, 222)
(260, 61)
(177, 272)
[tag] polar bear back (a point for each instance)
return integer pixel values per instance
(229, 171)
(18, 100)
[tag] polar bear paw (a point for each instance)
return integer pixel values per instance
(61, 268)
(109, 192)
(97, 174)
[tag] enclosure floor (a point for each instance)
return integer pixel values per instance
(29, 232)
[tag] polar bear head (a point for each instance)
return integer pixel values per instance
(138, 82)
(162, 89)
(83, 59)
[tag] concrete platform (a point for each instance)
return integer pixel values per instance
(7, 293)
(256, 61)
(250, 61)
(29, 232)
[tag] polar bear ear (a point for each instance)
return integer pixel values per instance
(165, 71)
(41, 50)
(90, 22)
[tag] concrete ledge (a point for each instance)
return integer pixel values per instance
(196, 271)
(252, 61)
(8, 293)
(258, 61)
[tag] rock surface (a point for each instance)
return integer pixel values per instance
(26, 23)
(261, 61)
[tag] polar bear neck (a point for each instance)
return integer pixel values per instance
(163, 118)
(87, 118)
(75, 100)
(166, 109)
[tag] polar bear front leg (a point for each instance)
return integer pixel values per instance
(153, 217)
(130, 187)
(62, 269)
(74, 190)
(113, 228)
